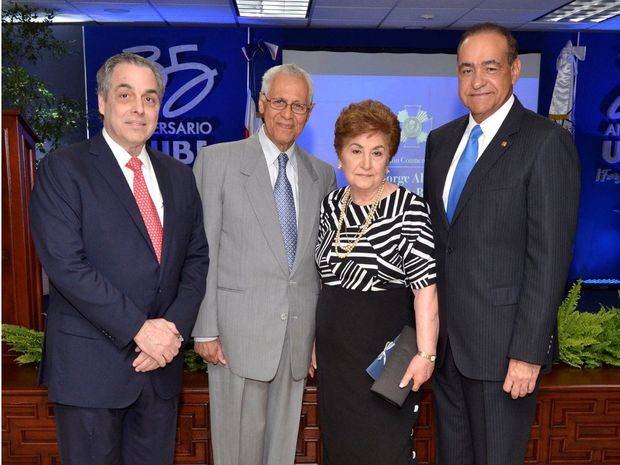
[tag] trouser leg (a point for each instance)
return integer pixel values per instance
(149, 429)
(454, 439)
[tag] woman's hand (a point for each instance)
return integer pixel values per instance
(420, 370)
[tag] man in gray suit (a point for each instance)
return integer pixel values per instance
(255, 328)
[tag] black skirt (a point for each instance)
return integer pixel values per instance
(357, 426)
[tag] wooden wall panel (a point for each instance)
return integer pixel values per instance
(577, 421)
(22, 293)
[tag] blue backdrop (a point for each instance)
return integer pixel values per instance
(597, 122)
(206, 80)
(210, 58)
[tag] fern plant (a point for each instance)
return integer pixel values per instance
(588, 339)
(25, 341)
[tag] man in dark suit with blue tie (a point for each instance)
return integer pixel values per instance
(503, 188)
(119, 230)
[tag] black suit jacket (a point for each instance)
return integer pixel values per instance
(105, 280)
(503, 262)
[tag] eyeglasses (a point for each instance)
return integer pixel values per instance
(281, 104)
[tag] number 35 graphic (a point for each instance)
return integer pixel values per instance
(206, 74)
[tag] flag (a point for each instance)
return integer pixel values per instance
(252, 121)
(562, 101)
(250, 51)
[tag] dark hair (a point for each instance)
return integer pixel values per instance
(368, 116)
(513, 46)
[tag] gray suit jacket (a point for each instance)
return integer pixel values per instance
(251, 296)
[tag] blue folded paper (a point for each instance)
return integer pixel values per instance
(376, 367)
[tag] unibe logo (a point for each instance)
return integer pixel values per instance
(181, 139)
(611, 147)
(206, 76)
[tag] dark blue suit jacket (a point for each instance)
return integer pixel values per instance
(105, 280)
(503, 261)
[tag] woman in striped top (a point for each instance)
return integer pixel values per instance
(374, 254)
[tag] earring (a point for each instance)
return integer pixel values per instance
(387, 170)
(339, 165)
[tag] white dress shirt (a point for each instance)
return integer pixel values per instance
(271, 153)
(123, 157)
(489, 127)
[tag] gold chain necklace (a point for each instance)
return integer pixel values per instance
(346, 200)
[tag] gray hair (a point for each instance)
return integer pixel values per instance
(104, 75)
(290, 69)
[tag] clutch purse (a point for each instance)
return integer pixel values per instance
(390, 365)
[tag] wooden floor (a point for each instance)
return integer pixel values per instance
(577, 421)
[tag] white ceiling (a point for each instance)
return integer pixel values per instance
(376, 14)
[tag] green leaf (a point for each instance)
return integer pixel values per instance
(588, 339)
(25, 341)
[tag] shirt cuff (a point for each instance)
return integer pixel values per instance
(205, 339)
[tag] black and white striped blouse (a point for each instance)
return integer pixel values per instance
(396, 251)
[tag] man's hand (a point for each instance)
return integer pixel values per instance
(211, 352)
(144, 362)
(313, 366)
(420, 370)
(159, 339)
(521, 378)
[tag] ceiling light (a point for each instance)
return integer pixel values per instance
(297, 9)
(427, 16)
(591, 11)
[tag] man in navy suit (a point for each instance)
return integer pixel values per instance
(503, 188)
(119, 230)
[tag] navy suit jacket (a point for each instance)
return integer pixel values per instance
(504, 259)
(105, 280)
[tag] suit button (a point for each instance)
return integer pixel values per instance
(449, 250)
(159, 290)
(283, 316)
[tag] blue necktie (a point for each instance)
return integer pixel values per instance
(463, 168)
(285, 204)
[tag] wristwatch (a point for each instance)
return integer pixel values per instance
(429, 357)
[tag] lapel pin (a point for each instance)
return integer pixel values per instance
(504, 143)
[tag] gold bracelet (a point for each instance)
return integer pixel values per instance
(431, 358)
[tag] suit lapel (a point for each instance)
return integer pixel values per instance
(165, 187)
(308, 194)
(493, 152)
(106, 164)
(260, 196)
(443, 166)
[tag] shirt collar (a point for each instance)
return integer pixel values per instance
(272, 152)
(122, 156)
(491, 125)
